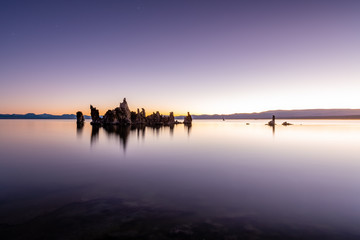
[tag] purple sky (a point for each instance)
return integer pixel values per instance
(198, 56)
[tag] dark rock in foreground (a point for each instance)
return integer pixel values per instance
(118, 219)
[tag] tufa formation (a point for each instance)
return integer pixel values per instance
(80, 118)
(124, 117)
(96, 120)
(188, 119)
(272, 122)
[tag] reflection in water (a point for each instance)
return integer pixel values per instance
(79, 129)
(156, 130)
(172, 130)
(141, 130)
(188, 128)
(123, 132)
(309, 176)
(94, 134)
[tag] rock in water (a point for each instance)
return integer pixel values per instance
(168, 120)
(134, 117)
(95, 116)
(286, 124)
(272, 122)
(80, 118)
(123, 116)
(110, 117)
(140, 117)
(171, 119)
(155, 119)
(143, 115)
(125, 113)
(188, 119)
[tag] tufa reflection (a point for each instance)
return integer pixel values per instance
(79, 129)
(80, 120)
(140, 131)
(188, 128)
(123, 132)
(171, 130)
(94, 134)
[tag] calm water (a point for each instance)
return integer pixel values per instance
(307, 174)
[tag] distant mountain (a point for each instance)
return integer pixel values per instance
(288, 114)
(39, 116)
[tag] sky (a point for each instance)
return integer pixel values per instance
(200, 56)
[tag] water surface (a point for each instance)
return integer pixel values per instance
(304, 176)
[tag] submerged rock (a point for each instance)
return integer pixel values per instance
(286, 124)
(188, 119)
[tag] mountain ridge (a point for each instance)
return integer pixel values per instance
(39, 116)
(289, 114)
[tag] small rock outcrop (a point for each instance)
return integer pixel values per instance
(125, 113)
(95, 116)
(272, 122)
(286, 124)
(188, 119)
(140, 117)
(80, 118)
(169, 120)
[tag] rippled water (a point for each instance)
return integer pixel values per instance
(307, 174)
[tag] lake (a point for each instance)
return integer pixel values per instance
(219, 179)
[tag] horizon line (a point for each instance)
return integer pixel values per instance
(198, 114)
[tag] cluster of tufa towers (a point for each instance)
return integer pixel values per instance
(123, 116)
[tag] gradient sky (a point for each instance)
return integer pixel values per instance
(199, 56)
